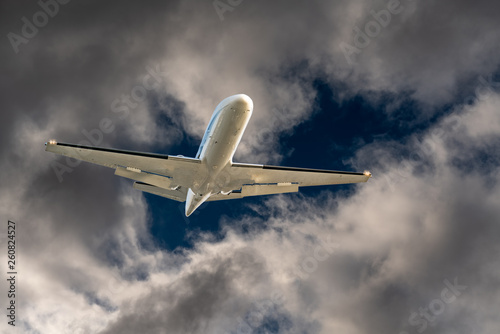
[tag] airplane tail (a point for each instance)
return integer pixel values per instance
(193, 201)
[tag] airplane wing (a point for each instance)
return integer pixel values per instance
(302, 176)
(171, 176)
(254, 180)
(170, 173)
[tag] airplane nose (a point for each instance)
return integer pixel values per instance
(243, 101)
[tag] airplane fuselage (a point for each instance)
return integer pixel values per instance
(217, 148)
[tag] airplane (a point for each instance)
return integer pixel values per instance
(211, 175)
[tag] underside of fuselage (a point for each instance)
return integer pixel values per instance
(217, 149)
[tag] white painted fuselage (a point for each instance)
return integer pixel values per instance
(223, 134)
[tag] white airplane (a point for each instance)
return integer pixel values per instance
(211, 175)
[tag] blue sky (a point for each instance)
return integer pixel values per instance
(328, 139)
(413, 250)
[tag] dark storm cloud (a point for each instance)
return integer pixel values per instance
(433, 46)
(90, 54)
(419, 221)
(197, 298)
(62, 82)
(82, 57)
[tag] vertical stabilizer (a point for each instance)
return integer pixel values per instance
(193, 201)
